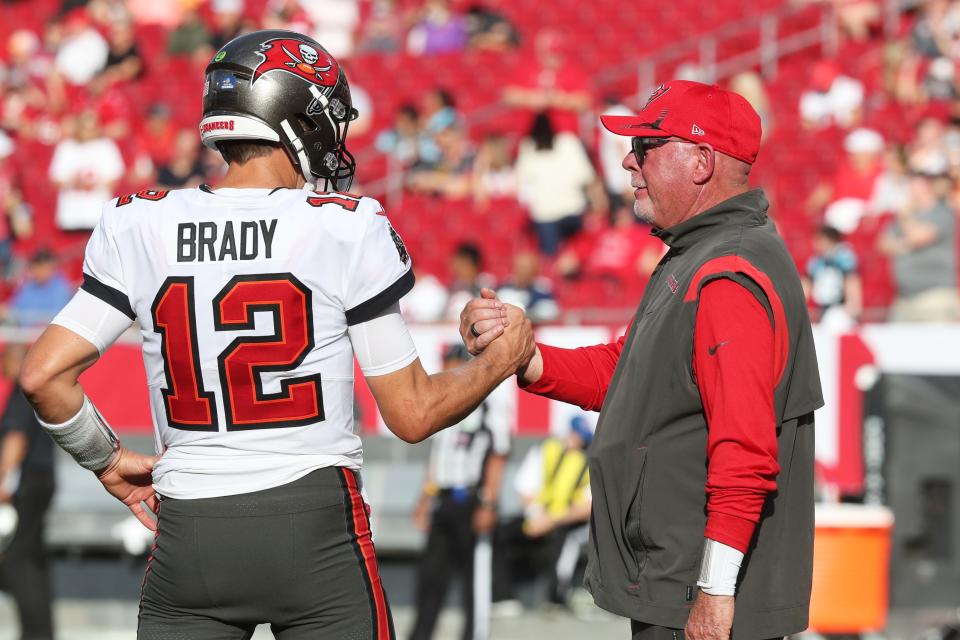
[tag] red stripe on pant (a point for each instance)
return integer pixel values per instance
(361, 527)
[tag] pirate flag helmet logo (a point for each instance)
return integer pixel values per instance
(299, 58)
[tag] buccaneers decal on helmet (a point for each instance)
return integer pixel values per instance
(299, 58)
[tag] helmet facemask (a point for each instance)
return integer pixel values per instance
(317, 141)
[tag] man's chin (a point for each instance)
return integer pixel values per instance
(643, 209)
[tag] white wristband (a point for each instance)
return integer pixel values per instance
(86, 436)
(719, 568)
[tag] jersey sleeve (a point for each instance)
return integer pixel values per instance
(102, 269)
(380, 271)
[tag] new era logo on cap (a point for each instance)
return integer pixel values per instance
(724, 119)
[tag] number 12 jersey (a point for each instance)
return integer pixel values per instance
(244, 298)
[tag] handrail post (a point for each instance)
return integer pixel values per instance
(645, 80)
(769, 56)
(891, 18)
(829, 35)
(708, 59)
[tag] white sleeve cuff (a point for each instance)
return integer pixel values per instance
(94, 320)
(719, 568)
(383, 344)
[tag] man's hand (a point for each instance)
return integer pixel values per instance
(129, 479)
(484, 519)
(539, 526)
(515, 347)
(482, 321)
(421, 513)
(711, 618)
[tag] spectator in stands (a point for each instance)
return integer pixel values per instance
(334, 24)
(438, 30)
(32, 91)
(891, 192)
(921, 242)
(624, 254)
(851, 188)
(832, 98)
(530, 290)
(458, 503)
(451, 176)
(85, 168)
(937, 28)
(383, 29)
(427, 301)
(494, 175)
(553, 174)
(82, 52)
(402, 141)
(16, 220)
(42, 294)
(550, 82)
(229, 22)
(106, 13)
(27, 483)
(153, 146)
(553, 482)
(124, 62)
(467, 278)
(749, 84)
(489, 29)
(287, 14)
(832, 282)
(611, 150)
(191, 37)
(162, 13)
(927, 152)
(184, 168)
(438, 113)
(28, 64)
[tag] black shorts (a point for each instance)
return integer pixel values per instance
(298, 557)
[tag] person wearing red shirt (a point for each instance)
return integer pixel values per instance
(551, 83)
(702, 468)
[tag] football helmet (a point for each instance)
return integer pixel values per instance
(282, 86)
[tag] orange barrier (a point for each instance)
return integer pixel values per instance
(851, 568)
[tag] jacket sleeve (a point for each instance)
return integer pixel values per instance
(578, 376)
(733, 362)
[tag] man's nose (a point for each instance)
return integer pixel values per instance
(630, 162)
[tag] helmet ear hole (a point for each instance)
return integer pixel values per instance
(307, 125)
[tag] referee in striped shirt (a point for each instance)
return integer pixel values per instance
(458, 509)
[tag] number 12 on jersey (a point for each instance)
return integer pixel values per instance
(188, 405)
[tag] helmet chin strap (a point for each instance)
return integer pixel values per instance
(301, 152)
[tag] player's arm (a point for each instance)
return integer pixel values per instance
(415, 405)
(50, 380)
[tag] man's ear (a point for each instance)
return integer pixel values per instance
(706, 163)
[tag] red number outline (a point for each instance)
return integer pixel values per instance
(292, 390)
(172, 393)
(346, 203)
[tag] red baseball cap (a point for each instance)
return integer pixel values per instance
(697, 112)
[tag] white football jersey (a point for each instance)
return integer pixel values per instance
(244, 297)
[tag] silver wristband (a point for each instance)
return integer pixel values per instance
(86, 437)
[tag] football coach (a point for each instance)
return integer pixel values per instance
(702, 467)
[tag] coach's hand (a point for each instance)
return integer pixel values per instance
(129, 479)
(711, 618)
(482, 321)
(515, 347)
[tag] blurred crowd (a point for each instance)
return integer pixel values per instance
(85, 111)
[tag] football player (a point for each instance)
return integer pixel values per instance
(252, 301)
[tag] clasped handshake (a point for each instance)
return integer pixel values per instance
(503, 333)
